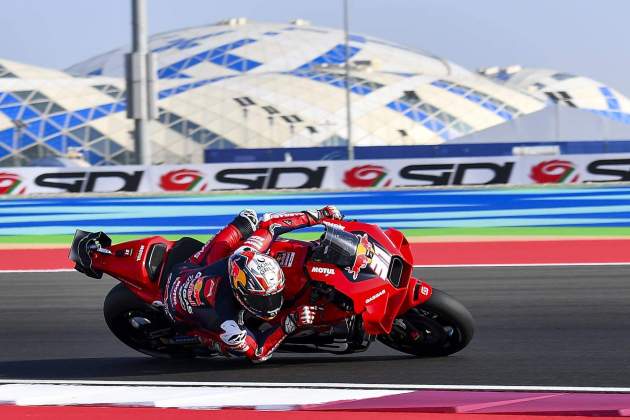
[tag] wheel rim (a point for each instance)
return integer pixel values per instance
(139, 337)
(424, 329)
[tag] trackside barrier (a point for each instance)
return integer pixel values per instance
(512, 170)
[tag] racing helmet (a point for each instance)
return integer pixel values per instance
(257, 282)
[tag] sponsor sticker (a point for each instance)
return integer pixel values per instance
(272, 216)
(327, 271)
(10, 184)
(366, 176)
(375, 296)
(140, 252)
(363, 256)
(210, 290)
(189, 292)
(285, 259)
(554, 171)
(183, 180)
(334, 225)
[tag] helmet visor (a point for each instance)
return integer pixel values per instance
(264, 306)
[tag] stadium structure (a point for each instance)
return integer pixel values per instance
(242, 84)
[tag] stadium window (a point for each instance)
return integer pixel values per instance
(511, 109)
(479, 94)
(270, 109)
(41, 106)
(411, 97)
(23, 94)
(442, 83)
(445, 117)
(291, 118)
(562, 76)
(373, 85)
(55, 108)
(80, 133)
(458, 89)
(178, 126)
(38, 97)
(245, 101)
(496, 102)
(428, 108)
(164, 116)
(462, 127)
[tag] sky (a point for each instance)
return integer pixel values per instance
(585, 37)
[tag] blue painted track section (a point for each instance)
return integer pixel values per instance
(422, 208)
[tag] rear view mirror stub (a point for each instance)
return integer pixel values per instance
(83, 244)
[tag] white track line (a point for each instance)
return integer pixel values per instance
(320, 385)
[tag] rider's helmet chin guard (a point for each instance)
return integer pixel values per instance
(257, 282)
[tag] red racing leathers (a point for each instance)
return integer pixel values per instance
(199, 292)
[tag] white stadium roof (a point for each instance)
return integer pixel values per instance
(257, 85)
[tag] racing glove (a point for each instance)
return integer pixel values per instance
(329, 212)
(246, 222)
(303, 316)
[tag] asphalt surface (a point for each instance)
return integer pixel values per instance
(562, 326)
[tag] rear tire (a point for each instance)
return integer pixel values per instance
(439, 327)
(120, 306)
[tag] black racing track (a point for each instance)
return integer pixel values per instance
(563, 326)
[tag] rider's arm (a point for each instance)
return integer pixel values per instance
(227, 240)
(274, 224)
(259, 347)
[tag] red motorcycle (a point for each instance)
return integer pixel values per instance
(359, 275)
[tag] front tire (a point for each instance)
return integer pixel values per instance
(120, 306)
(439, 327)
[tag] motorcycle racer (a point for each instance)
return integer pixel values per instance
(231, 276)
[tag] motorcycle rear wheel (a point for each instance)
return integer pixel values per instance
(439, 327)
(120, 306)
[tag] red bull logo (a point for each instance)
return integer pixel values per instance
(363, 256)
(10, 184)
(239, 279)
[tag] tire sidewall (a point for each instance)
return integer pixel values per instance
(450, 310)
(119, 302)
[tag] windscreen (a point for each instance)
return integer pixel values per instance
(338, 246)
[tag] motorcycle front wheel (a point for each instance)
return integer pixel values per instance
(439, 327)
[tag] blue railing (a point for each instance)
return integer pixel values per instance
(405, 152)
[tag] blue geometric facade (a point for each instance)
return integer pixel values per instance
(260, 85)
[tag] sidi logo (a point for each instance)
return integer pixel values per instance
(323, 270)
